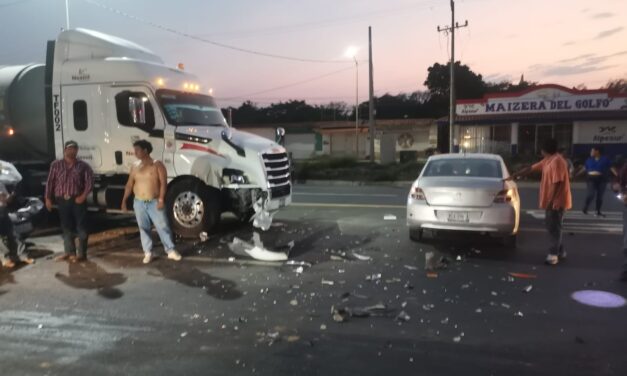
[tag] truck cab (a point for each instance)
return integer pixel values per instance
(106, 93)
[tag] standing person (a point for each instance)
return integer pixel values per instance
(598, 168)
(148, 181)
(622, 191)
(70, 180)
(555, 196)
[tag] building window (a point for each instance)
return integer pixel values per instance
(80, 115)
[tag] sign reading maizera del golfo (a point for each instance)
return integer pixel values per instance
(519, 122)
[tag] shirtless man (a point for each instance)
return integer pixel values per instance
(147, 181)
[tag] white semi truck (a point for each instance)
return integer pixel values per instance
(105, 93)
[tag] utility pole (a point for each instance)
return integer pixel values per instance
(371, 125)
(451, 29)
(356, 107)
(67, 15)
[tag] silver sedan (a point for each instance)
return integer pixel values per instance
(464, 192)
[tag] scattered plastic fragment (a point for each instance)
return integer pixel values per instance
(428, 307)
(298, 263)
(231, 259)
(478, 310)
(361, 257)
(299, 270)
(393, 280)
(522, 275)
(255, 250)
(389, 217)
(403, 317)
(528, 288)
(505, 305)
(204, 236)
(518, 314)
(327, 282)
(457, 339)
(373, 277)
(293, 302)
(184, 334)
(323, 327)
(410, 267)
(432, 275)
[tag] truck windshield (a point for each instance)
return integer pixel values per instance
(190, 109)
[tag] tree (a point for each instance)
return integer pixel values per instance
(618, 85)
(468, 85)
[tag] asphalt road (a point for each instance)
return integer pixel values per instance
(213, 314)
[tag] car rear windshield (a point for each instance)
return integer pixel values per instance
(479, 168)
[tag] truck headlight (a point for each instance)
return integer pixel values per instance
(232, 176)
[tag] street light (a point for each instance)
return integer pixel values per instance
(351, 52)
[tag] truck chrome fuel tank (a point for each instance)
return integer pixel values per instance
(22, 108)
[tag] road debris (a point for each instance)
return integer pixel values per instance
(403, 317)
(323, 327)
(522, 275)
(410, 267)
(389, 217)
(432, 275)
(361, 257)
(342, 314)
(293, 302)
(518, 314)
(255, 250)
(528, 288)
(327, 282)
(432, 264)
(203, 236)
(269, 338)
(373, 277)
(457, 339)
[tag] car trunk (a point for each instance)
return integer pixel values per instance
(461, 192)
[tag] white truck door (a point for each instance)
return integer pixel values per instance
(136, 117)
(83, 122)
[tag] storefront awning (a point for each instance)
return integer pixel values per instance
(536, 118)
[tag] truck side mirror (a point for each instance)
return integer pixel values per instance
(137, 110)
(280, 136)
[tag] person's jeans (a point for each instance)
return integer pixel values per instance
(554, 220)
(596, 187)
(147, 215)
(10, 245)
(74, 223)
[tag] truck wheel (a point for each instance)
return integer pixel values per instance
(192, 208)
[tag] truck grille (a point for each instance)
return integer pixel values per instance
(278, 172)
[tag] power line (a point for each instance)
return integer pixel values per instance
(208, 41)
(246, 96)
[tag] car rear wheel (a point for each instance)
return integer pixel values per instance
(416, 234)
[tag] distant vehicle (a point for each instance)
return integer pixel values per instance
(105, 93)
(464, 192)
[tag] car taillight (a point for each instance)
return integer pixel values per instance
(504, 196)
(418, 194)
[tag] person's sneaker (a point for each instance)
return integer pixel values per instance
(585, 211)
(174, 255)
(63, 257)
(551, 260)
(562, 255)
(9, 264)
(147, 258)
(599, 214)
(81, 258)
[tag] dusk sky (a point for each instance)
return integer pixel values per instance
(567, 42)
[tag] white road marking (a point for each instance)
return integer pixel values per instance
(579, 223)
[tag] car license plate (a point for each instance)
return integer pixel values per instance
(458, 217)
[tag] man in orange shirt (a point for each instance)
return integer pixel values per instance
(555, 196)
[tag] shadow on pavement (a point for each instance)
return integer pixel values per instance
(89, 276)
(185, 274)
